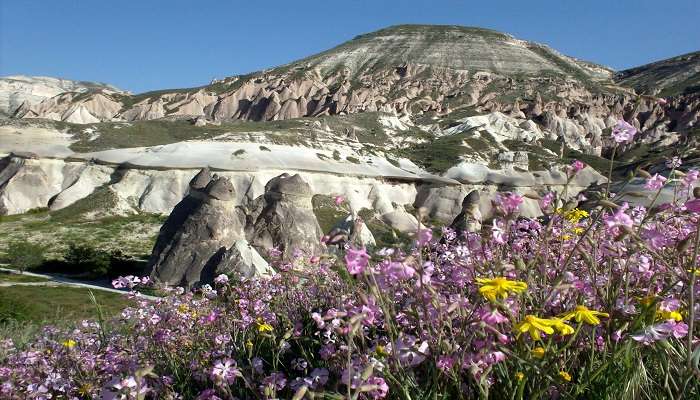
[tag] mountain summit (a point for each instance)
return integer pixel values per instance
(405, 69)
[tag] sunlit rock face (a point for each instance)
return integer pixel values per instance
(27, 91)
(287, 221)
(204, 237)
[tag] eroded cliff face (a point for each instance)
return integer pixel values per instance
(19, 91)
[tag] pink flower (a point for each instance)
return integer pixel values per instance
(661, 101)
(221, 279)
(690, 178)
(445, 363)
(619, 218)
(693, 205)
(338, 200)
(492, 316)
(225, 371)
(507, 203)
(409, 351)
(546, 200)
(424, 237)
(356, 260)
(577, 166)
(656, 182)
(623, 131)
(381, 388)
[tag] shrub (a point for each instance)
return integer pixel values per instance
(87, 260)
(25, 255)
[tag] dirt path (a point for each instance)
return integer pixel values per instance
(53, 281)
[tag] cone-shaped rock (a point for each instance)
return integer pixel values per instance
(203, 237)
(469, 219)
(287, 222)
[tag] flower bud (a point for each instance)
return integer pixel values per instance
(643, 173)
(608, 204)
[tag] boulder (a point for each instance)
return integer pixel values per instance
(287, 221)
(203, 237)
(469, 219)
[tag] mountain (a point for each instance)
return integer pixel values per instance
(406, 69)
(406, 117)
(20, 90)
(674, 76)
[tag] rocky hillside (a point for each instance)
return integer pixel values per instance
(671, 77)
(405, 117)
(26, 91)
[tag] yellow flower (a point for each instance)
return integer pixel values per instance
(666, 315)
(565, 376)
(183, 308)
(575, 215)
(249, 344)
(499, 287)
(537, 352)
(381, 351)
(578, 230)
(566, 237)
(535, 326)
(70, 343)
(85, 389)
(519, 376)
(560, 326)
(264, 327)
(582, 313)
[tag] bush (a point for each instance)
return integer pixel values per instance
(25, 255)
(94, 263)
(85, 259)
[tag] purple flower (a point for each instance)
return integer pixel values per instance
(424, 237)
(690, 178)
(693, 205)
(381, 389)
(656, 182)
(546, 200)
(508, 202)
(356, 260)
(576, 166)
(221, 279)
(410, 352)
(674, 162)
(623, 132)
(619, 218)
(318, 377)
(225, 371)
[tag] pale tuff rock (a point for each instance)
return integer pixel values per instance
(19, 90)
(501, 127)
(287, 221)
(204, 237)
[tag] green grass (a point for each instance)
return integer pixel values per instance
(19, 278)
(440, 154)
(43, 304)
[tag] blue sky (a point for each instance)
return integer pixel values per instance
(142, 45)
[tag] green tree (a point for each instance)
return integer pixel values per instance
(25, 255)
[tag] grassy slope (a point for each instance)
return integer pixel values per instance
(41, 304)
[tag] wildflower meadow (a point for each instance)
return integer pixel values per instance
(596, 304)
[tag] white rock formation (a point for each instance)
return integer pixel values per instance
(17, 90)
